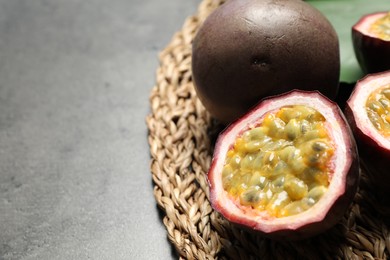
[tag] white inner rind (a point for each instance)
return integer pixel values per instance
(341, 163)
(357, 103)
(365, 23)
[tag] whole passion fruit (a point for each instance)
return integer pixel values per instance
(287, 169)
(247, 50)
(368, 112)
(371, 42)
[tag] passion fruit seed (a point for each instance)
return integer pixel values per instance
(282, 165)
(378, 109)
(381, 27)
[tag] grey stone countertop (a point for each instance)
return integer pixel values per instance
(75, 77)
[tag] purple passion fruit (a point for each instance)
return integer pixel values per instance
(288, 169)
(371, 42)
(247, 50)
(368, 112)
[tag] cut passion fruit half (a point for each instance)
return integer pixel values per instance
(287, 169)
(368, 111)
(371, 42)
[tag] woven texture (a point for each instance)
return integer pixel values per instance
(181, 137)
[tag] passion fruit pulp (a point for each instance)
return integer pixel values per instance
(368, 112)
(247, 50)
(371, 42)
(288, 169)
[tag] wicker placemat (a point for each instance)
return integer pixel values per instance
(181, 135)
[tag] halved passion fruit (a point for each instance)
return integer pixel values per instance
(287, 169)
(368, 111)
(371, 42)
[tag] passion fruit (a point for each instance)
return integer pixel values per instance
(368, 112)
(247, 50)
(371, 42)
(288, 169)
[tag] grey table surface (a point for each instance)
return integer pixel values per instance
(75, 77)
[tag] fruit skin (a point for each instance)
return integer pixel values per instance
(320, 217)
(374, 153)
(247, 50)
(372, 53)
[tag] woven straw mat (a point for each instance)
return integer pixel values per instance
(181, 136)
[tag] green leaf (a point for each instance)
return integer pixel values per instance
(343, 14)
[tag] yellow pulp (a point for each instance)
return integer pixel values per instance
(378, 109)
(381, 27)
(282, 165)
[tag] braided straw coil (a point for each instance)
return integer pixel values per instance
(181, 135)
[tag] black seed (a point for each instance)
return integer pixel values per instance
(319, 146)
